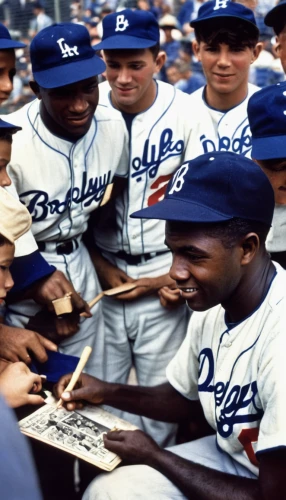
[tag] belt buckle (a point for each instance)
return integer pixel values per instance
(65, 248)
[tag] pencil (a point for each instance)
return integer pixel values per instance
(76, 374)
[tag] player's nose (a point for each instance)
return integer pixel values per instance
(6, 84)
(179, 270)
(223, 59)
(124, 76)
(79, 104)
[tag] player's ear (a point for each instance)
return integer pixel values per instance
(35, 88)
(160, 60)
(196, 49)
(250, 245)
(256, 51)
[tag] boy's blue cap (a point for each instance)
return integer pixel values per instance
(9, 126)
(129, 29)
(276, 16)
(61, 55)
(224, 8)
(215, 187)
(267, 120)
(6, 41)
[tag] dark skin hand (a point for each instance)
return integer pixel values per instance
(18, 344)
(111, 276)
(165, 403)
(44, 292)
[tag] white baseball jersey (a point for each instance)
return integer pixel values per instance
(215, 130)
(237, 371)
(59, 181)
(160, 141)
(276, 238)
(177, 127)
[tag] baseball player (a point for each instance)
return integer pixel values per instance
(226, 44)
(266, 114)
(230, 367)
(138, 327)
(61, 165)
(276, 18)
(29, 269)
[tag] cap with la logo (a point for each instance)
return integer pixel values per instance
(129, 29)
(215, 9)
(62, 54)
(215, 187)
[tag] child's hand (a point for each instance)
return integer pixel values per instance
(18, 385)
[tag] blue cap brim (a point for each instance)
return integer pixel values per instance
(72, 72)
(7, 43)
(124, 42)
(179, 210)
(267, 148)
(8, 126)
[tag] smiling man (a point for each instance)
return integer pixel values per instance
(226, 44)
(61, 165)
(230, 368)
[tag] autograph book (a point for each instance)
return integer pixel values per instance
(77, 432)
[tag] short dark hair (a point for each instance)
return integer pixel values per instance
(231, 231)
(4, 241)
(234, 32)
(6, 136)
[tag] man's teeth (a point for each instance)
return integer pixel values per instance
(190, 290)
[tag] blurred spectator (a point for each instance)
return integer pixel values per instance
(40, 20)
(171, 44)
(20, 14)
(179, 74)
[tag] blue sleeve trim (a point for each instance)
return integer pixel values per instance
(28, 269)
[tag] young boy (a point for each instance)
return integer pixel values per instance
(267, 120)
(226, 44)
(17, 384)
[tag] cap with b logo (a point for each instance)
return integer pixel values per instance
(129, 29)
(61, 55)
(224, 8)
(215, 187)
(267, 120)
(15, 219)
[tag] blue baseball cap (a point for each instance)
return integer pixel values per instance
(267, 120)
(6, 42)
(224, 8)
(129, 29)
(215, 187)
(276, 17)
(61, 55)
(9, 127)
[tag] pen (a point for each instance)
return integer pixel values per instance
(76, 374)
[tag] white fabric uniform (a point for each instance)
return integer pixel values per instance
(214, 130)
(160, 138)
(276, 238)
(238, 374)
(61, 182)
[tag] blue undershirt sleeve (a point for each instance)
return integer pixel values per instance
(28, 269)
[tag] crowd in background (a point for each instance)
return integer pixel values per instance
(25, 18)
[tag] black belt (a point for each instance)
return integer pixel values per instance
(134, 260)
(63, 248)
